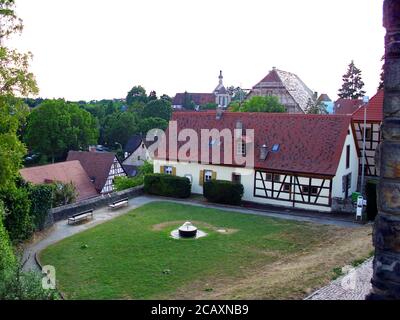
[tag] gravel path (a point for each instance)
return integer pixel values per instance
(355, 285)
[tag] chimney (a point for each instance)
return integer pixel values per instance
(263, 152)
(315, 95)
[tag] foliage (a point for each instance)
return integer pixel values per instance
(152, 96)
(222, 191)
(147, 124)
(136, 94)
(166, 97)
(11, 149)
(119, 127)
(260, 104)
(382, 76)
(371, 195)
(55, 127)
(18, 221)
(167, 185)
(316, 108)
(123, 183)
(158, 109)
(209, 106)
(9, 22)
(237, 93)
(7, 258)
(352, 83)
(64, 193)
(41, 202)
(18, 285)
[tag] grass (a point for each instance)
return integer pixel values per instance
(133, 257)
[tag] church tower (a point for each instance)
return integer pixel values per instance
(222, 97)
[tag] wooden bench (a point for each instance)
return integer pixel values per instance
(81, 216)
(118, 204)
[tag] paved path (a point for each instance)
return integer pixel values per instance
(355, 285)
(62, 230)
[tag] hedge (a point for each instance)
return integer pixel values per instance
(41, 198)
(167, 185)
(221, 191)
(7, 258)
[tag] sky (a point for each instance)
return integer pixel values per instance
(97, 49)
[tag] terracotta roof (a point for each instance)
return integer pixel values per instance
(307, 143)
(66, 172)
(279, 79)
(346, 106)
(96, 164)
(374, 109)
(198, 98)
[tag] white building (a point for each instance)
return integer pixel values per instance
(135, 155)
(301, 161)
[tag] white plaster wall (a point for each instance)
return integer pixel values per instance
(132, 160)
(341, 171)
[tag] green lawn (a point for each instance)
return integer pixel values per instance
(133, 256)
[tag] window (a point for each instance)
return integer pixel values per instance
(168, 170)
(287, 187)
(275, 147)
(268, 176)
(277, 178)
(314, 191)
(208, 175)
(305, 189)
(138, 158)
(348, 156)
(236, 178)
(241, 148)
(368, 134)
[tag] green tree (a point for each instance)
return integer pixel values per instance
(64, 193)
(382, 76)
(119, 127)
(136, 94)
(352, 83)
(152, 123)
(316, 108)
(7, 258)
(260, 104)
(152, 96)
(209, 106)
(55, 127)
(166, 97)
(158, 109)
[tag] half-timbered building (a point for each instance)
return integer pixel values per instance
(101, 167)
(294, 164)
(374, 116)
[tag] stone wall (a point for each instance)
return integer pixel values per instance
(62, 213)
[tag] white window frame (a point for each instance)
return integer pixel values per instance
(168, 170)
(208, 174)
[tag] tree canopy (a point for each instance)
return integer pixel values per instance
(352, 83)
(158, 109)
(136, 94)
(119, 127)
(55, 127)
(259, 104)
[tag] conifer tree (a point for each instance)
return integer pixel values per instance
(352, 83)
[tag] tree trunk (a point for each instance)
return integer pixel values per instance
(386, 237)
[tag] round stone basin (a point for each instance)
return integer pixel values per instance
(187, 230)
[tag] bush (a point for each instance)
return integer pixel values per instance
(123, 183)
(41, 198)
(64, 193)
(221, 191)
(18, 221)
(167, 185)
(7, 258)
(372, 207)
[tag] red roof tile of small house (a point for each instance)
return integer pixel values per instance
(309, 144)
(374, 109)
(347, 106)
(96, 164)
(66, 172)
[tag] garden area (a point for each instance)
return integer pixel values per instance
(134, 256)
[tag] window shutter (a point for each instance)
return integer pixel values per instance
(201, 178)
(173, 171)
(162, 169)
(214, 175)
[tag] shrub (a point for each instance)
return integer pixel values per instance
(18, 221)
(123, 183)
(146, 168)
(7, 258)
(221, 191)
(41, 198)
(370, 192)
(64, 193)
(167, 185)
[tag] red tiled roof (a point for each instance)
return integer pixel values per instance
(96, 164)
(374, 109)
(65, 172)
(198, 98)
(347, 106)
(309, 144)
